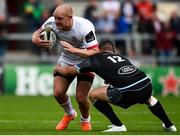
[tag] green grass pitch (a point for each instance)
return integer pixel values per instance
(39, 116)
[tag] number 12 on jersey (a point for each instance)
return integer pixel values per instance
(115, 59)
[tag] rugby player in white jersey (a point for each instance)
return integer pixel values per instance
(81, 34)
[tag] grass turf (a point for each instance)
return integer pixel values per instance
(39, 115)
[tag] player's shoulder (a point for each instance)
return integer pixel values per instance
(81, 19)
(50, 21)
(82, 22)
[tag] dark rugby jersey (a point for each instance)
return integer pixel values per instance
(113, 68)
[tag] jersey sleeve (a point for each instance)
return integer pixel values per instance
(49, 23)
(85, 66)
(89, 36)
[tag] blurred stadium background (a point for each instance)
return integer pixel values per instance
(146, 31)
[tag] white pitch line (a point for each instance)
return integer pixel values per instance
(75, 121)
(26, 122)
(120, 112)
(26, 113)
(37, 121)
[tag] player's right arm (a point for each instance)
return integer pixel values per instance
(38, 41)
(36, 35)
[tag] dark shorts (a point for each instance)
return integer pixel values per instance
(139, 93)
(81, 77)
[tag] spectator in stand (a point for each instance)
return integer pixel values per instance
(128, 11)
(156, 23)
(145, 11)
(122, 27)
(175, 24)
(91, 11)
(3, 22)
(110, 10)
(124, 22)
(165, 43)
(33, 11)
(112, 7)
(105, 24)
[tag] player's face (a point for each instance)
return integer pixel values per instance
(63, 23)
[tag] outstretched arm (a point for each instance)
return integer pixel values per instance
(85, 53)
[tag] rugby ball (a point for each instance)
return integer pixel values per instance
(49, 35)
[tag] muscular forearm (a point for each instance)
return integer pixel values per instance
(35, 36)
(85, 53)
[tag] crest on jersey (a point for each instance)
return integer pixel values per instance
(126, 70)
(90, 37)
(74, 39)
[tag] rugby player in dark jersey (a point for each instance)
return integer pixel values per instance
(127, 85)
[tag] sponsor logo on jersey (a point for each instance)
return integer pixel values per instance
(90, 37)
(126, 70)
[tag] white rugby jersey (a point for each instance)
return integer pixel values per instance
(82, 35)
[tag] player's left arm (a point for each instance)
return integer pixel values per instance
(85, 53)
